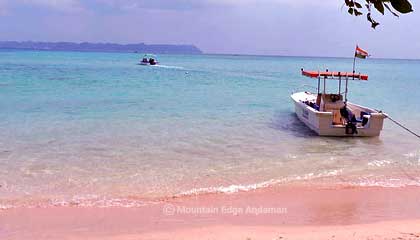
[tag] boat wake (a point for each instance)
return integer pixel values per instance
(168, 67)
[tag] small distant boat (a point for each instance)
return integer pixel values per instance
(330, 114)
(149, 59)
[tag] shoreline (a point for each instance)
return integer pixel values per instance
(135, 201)
(291, 211)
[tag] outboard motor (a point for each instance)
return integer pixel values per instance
(351, 127)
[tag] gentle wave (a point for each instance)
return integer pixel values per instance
(244, 188)
(379, 163)
(296, 180)
(230, 189)
(390, 183)
(415, 155)
(79, 201)
(109, 202)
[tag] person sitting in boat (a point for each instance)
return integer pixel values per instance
(152, 61)
(351, 121)
(144, 60)
(346, 114)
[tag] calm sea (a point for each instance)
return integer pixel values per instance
(98, 129)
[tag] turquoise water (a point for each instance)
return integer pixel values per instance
(96, 128)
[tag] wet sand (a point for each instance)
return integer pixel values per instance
(270, 213)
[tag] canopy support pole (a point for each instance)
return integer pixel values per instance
(339, 85)
(347, 83)
(319, 83)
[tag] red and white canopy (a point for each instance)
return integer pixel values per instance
(332, 75)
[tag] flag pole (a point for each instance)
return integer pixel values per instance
(354, 61)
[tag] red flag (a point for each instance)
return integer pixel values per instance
(360, 53)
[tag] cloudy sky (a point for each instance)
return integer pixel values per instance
(274, 27)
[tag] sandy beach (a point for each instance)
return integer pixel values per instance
(271, 213)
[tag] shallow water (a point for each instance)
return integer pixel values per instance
(97, 127)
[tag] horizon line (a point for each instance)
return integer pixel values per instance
(203, 53)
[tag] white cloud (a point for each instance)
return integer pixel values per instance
(71, 6)
(3, 8)
(61, 5)
(58, 5)
(191, 4)
(286, 2)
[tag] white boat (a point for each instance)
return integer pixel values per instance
(149, 59)
(330, 114)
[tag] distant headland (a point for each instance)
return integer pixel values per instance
(101, 47)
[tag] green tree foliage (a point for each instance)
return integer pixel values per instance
(395, 7)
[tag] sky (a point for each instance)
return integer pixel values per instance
(259, 27)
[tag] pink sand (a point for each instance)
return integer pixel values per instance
(303, 213)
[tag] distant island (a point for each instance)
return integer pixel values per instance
(101, 47)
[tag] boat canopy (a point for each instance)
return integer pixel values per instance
(335, 75)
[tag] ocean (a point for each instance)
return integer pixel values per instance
(97, 129)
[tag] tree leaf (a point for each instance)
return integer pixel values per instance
(390, 10)
(374, 24)
(379, 6)
(368, 17)
(395, 7)
(402, 6)
(357, 13)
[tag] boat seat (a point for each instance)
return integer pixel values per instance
(312, 105)
(337, 119)
(333, 106)
(328, 105)
(318, 99)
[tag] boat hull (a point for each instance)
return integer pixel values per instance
(148, 64)
(322, 122)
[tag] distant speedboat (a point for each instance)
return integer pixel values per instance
(149, 59)
(329, 115)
